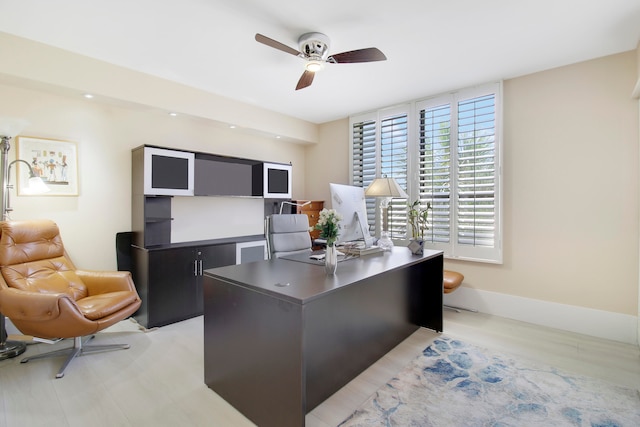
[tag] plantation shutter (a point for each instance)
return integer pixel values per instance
(434, 170)
(364, 161)
(458, 172)
(476, 174)
(450, 148)
(393, 164)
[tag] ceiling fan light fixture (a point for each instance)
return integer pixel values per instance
(314, 49)
(314, 65)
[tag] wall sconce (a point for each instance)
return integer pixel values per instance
(385, 189)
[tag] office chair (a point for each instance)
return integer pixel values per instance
(123, 251)
(45, 296)
(288, 234)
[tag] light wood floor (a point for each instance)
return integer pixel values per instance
(159, 380)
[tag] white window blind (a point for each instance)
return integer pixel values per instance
(378, 148)
(363, 152)
(394, 164)
(434, 174)
(476, 172)
(450, 147)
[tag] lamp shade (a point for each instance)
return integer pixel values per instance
(36, 185)
(11, 127)
(385, 187)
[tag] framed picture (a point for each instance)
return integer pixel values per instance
(55, 161)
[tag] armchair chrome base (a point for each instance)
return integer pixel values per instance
(10, 349)
(77, 350)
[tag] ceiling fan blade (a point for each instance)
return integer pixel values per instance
(305, 80)
(361, 55)
(276, 44)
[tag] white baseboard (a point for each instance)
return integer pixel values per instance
(587, 321)
(581, 320)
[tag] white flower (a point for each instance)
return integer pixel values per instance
(328, 224)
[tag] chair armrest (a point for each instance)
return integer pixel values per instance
(101, 282)
(17, 304)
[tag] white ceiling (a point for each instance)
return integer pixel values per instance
(432, 46)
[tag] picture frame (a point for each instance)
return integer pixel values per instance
(53, 160)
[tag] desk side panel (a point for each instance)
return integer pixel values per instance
(252, 353)
(426, 293)
(350, 329)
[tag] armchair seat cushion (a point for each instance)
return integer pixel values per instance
(99, 306)
(452, 281)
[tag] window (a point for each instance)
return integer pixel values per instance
(446, 151)
(379, 147)
(363, 154)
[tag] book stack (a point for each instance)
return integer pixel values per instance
(356, 251)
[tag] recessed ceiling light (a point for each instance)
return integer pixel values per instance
(88, 95)
(173, 114)
(232, 126)
(277, 136)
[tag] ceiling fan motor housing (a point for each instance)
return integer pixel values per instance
(314, 46)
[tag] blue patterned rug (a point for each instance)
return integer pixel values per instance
(457, 384)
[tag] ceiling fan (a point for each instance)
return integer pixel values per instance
(314, 49)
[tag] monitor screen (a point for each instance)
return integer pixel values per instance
(349, 201)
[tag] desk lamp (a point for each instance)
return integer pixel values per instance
(385, 189)
(35, 185)
(294, 204)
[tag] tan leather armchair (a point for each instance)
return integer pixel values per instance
(45, 296)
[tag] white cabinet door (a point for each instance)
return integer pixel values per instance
(251, 251)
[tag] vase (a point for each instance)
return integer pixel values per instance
(416, 246)
(331, 259)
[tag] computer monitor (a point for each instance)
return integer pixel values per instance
(349, 202)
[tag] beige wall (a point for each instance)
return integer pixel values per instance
(105, 135)
(44, 85)
(570, 186)
(328, 161)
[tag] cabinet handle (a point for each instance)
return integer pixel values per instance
(195, 267)
(200, 261)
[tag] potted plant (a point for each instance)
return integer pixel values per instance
(328, 226)
(418, 220)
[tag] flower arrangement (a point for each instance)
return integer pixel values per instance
(328, 225)
(418, 218)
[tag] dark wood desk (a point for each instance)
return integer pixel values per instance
(281, 336)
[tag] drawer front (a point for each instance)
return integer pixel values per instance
(313, 206)
(312, 210)
(315, 234)
(313, 220)
(314, 216)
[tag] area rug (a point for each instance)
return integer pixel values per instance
(457, 384)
